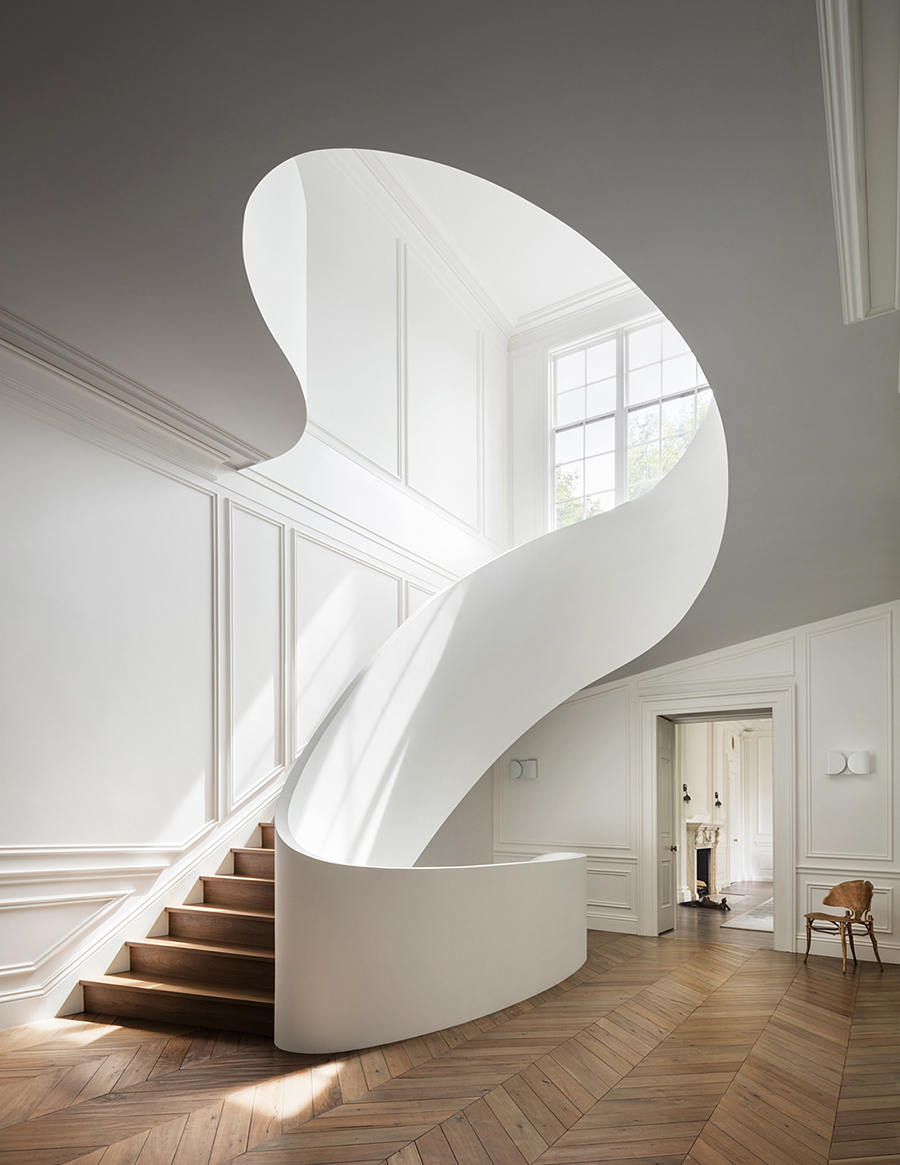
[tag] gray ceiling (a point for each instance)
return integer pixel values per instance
(686, 140)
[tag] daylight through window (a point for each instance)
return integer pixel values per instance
(625, 405)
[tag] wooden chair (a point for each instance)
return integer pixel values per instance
(856, 898)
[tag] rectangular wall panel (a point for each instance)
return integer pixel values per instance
(352, 314)
(442, 404)
(257, 748)
(344, 611)
(605, 888)
(106, 621)
(415, 597)
(496, 443)
(849, 709)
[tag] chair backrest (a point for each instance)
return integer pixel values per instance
(855, 896)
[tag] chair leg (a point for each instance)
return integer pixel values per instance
(843, 947)
(808, 938)
(871, 931)
(850, 936)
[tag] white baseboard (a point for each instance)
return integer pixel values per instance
(598, 920)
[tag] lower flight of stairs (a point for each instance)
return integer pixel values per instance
(216, 966)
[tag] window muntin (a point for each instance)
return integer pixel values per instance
(626, 405)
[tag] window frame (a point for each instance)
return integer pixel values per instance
(621, 412)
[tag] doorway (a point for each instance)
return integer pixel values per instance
(714, 803)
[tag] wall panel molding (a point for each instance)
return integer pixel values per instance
(91, 951)
(233, 799)
(43, 949)
(814, 768)
(300, 617)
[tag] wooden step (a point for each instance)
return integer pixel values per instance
(234, 965)
(254, 863)
(267, 830)
(238, 893)
(138, 996)
(216, 924)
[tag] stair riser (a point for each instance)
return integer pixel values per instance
(254, 865)
(252, 932)
(268, 836)
(231, 970)
(163, 1008)
(239, 895)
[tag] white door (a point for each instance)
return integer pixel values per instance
(735, 820)
(665, 822)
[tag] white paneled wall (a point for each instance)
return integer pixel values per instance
(98, 693)
(171, 639)
(443, 396)
(582, 799)
(256, 651)
(407, 365)
(344, 610)
(831, 686)
(850, 816)
(352, 284)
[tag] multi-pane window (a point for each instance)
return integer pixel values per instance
(625, 406)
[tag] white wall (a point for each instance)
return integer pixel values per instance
(407, 370)
(832, 685)
(583, 799)
(172, 634)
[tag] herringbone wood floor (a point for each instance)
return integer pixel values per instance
(664, 1051)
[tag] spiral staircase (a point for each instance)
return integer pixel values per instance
(369, 947)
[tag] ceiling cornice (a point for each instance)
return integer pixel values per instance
(861, 77)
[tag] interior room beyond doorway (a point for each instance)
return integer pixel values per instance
(723, 804)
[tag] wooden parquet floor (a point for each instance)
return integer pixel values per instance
(656, 1052)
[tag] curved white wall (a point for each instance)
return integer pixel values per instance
(446, 695)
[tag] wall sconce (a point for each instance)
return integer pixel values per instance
(523, 768)
(687, 795)
(857, 763)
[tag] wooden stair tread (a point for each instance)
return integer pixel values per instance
(223, 911)
(209, 948)
(158, 986)
(250, 849)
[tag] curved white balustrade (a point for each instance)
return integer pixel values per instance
(370, 950)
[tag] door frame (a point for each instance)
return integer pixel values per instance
(782, 701)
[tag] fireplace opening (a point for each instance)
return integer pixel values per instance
(702, 875)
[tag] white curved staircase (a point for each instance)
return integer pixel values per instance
(368, 948)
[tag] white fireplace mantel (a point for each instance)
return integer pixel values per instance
(702, 835)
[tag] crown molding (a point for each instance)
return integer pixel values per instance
(860, 80)
(592, 297)
(396, 194)
(37, 365)
(452, 255)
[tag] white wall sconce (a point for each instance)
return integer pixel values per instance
(523, 768)
(857, 763)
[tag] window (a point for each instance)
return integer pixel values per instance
(625, 407)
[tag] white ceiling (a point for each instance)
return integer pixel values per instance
(524, 258)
